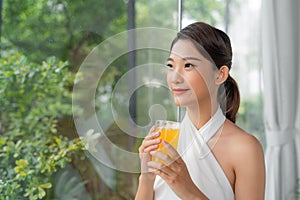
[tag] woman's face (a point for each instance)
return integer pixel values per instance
(190, 77)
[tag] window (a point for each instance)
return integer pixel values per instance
(44, 46)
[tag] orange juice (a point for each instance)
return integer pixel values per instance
(169, 132)
(169, 135)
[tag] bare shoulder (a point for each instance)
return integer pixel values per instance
(247, 157)
(246, 160)
(241, 156)
(239, 141)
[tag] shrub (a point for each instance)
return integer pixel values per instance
(32, 98)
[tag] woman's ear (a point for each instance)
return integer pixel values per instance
(222, 75)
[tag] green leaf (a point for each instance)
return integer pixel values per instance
(41, 193)
(17, 169)
(21, 163)
(58, 141)
(2, 141)
(46, 185)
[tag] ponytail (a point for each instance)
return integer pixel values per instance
(229, 98)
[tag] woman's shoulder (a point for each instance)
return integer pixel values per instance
(239, 153)
(246, 160)
(238, 136)
(242, 145)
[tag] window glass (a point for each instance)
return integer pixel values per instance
(244, 31)
(71, 72)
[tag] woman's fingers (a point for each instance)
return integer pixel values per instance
(151, 131)
(171, 159)
(150, 142)
(151, 148)
(148, 146)
(152, 135)
(165, 158)
(158, 167)
(174, 154)
(166, 171)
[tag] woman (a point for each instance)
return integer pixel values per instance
(215, 158)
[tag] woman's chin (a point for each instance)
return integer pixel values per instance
(185, 102)
(179, 102)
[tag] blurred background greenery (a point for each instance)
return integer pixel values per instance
(43, 44)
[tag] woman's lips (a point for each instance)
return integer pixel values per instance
(179, 91)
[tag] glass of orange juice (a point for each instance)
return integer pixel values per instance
(169, 132)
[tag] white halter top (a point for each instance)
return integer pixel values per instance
(203, 167)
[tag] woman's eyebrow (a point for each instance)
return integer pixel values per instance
(185, 58)
(191, 58)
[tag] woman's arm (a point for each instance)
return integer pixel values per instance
(249, 167)
(146, 180)
(145, 189)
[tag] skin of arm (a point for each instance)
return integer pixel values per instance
(249, 167)
(146, 180)
(145, 188)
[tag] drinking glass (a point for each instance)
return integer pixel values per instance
(169, 132)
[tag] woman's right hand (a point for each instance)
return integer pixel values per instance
(149, 144)
(147, 178)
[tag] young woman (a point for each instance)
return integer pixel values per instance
(215, 158)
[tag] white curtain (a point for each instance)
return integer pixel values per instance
(280, 63)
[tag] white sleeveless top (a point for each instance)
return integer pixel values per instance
(203, 167)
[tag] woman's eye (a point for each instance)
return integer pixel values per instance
(169, 65)
(188, 65)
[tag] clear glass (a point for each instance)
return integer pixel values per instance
(69, 31)
(245, 37)
(169, 132)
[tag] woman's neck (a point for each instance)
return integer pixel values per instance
(200, 115)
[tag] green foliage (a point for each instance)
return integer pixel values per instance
(32, 98)
(209, 11)
(250, 117)
(63, 28)
(156, 13)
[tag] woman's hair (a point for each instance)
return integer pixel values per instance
(215, 45)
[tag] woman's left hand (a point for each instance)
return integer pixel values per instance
(174, 171)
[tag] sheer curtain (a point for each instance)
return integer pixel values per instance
(280, 60)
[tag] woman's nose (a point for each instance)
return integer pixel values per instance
(175, 77)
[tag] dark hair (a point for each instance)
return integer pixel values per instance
(215, 45)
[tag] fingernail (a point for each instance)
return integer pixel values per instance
(156, 133)
(151, 170)
(153, 128)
